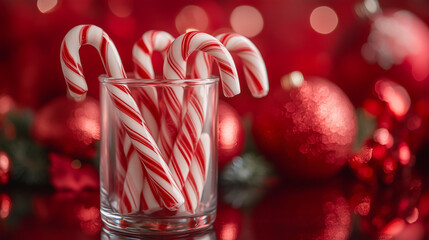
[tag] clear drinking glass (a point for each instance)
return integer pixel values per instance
(123, 176)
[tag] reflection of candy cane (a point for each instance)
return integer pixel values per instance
(174, 68)
(253, 64)
(126, 108)
(142, 57)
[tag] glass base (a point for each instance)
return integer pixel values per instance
(143, 225)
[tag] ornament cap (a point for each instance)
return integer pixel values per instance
(292, 80)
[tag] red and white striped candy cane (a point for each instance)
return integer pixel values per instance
(126, 107)
(121, 161)
(256, 77)
(148, 99)
(175, 68)
(132, 186)
(142, 57)
(253, 64)
(194, 185)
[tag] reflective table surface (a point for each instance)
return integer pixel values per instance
(339, 209)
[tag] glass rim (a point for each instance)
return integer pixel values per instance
(157, 81)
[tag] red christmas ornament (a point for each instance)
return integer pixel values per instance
(307, 131)
(69, 174)
(303, 213)
(398, 42)
(5, 168)
(230, 134)
(68, 126)
(390, 43)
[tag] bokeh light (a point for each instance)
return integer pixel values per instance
(5, 205)
(247, 20)
(414, 216)
(393, 227)
(404, 154)
(323, 20)
(192, 17)
(6, 104)
(229, 231)
(383, 137)
(394, 95)
(121, 8)
(5, 168)
(230, 128)
(46, 6)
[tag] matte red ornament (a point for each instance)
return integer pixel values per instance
(68, 126)
(230, 134)
(306, 131)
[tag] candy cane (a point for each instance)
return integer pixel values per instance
(194, 185)
(142, 58)
(253, 64)
(257, 80)
(174, 68)
(126, 108)
(123, 143)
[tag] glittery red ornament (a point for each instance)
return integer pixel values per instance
(303, 212)
(230, 134)
(5, 168)
(306, 131)
(68, 126)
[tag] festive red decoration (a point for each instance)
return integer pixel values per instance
(389, 150)
(304, 212)
(228, 222)
(306, 131)
(230, 134)
(390, 43)
(69, 174)
(5, 168)
(385, 211)
(70, 214)
(68, 126)
(398, 43)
